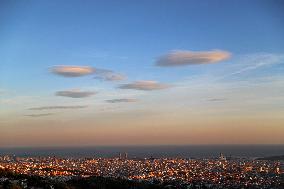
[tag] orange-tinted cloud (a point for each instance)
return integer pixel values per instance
(145, 85)
(182, 58)
(78, 71)
(72, 71)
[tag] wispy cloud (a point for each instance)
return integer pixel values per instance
(216, 99)
(39, 115)
(75, 93)
(14, 100)
(108, 75)
(119, 100)
(57, 107)
(256, 61)
(72, 71)
(2, 91)
(183, 57)
(253, 62)
(145, 85)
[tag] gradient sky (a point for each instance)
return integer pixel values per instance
(120, 72)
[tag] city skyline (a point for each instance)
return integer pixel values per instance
(141, 73)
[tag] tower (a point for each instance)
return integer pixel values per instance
(125, 155)
(222, 157)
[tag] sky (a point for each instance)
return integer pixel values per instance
(119, 72)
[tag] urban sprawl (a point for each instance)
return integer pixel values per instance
(222, 171)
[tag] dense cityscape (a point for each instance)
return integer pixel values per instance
(218, 172)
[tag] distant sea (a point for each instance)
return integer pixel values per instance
(189, 151)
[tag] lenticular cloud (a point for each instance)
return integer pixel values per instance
(145, 85)
(183, 58)
(72, 71)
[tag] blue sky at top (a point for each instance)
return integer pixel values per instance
(128, 36)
